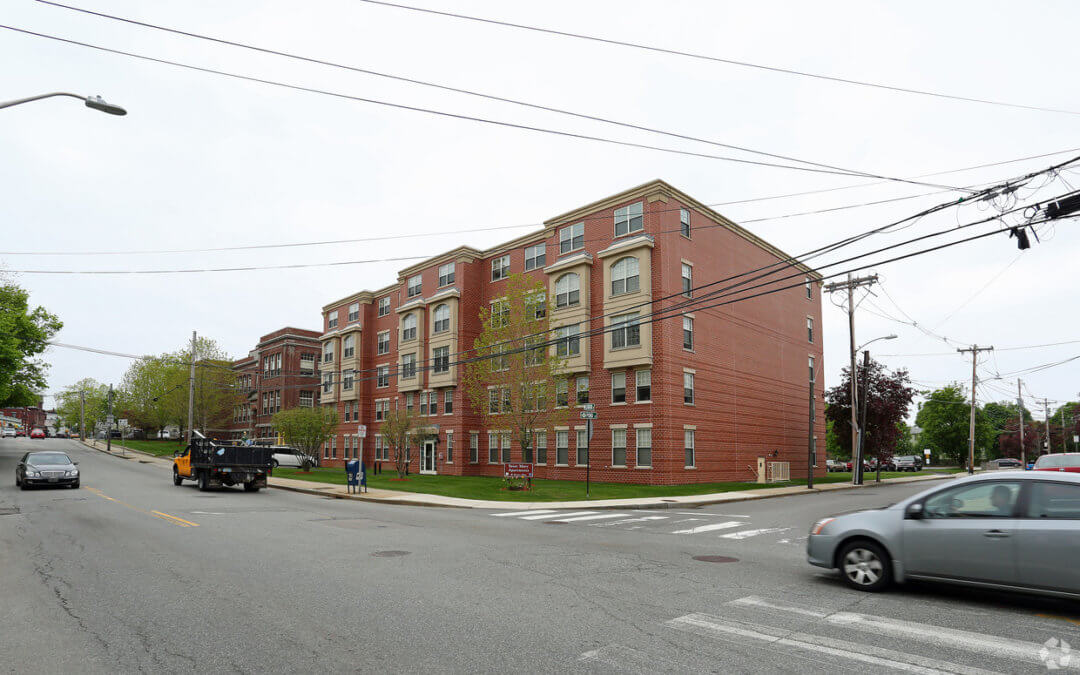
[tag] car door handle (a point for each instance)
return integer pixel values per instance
(996, 534)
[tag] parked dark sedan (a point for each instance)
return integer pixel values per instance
(46, 468)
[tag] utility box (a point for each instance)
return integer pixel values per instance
(762, 476)
(773, 472)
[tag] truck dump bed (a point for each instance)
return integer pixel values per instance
(207, 453)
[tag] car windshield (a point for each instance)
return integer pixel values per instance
(48, 458)
(1057, 461)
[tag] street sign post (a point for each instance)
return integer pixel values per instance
(588, 415)
(588, 406)
(361, 430)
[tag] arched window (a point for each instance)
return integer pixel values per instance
(328, 351)
(567, 290)
(408, 327)
(442, 318)
(347, 347)
(624, 276)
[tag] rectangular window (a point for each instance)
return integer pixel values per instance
(326, 451)
(448, 401)
(569, 344)
(380, 410)
(449, 447)
(571, 238)
(408, 366)
(493, 447)
(562, 448)
(625, 331)
(408, 402)
(618, 387)
(582, 390)
(561, 396)
(328, 352)
(684, 222)
(629, 219)
(327, 383)
(809, 329)
(331, 319)
(535, 256)
(500, 313)
(446, 274)
(433, 403)
(442, 359)
(644, 447)
(474, 447)
(307, 364)
(384, 306)
(382, 376)
(348, 348)
(347, 381)
(307, 399)
(414, 286)
(618, 447)
(809, 289)
(687, 280)
(500, 267)
(382, 345)
(688, 447)
(582, 447)
(811, 363)
(687, 333)
(354, 312)
(493, 401)
(423, 403)
(688, 388)
(333, 447)
(540, 442)
(506, 448)
(643, 380)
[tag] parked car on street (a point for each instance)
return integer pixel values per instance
(8, 432)
(46, 468)
(1010, 530)
(906, 463)
(37, 432)
(1066, 461)
(285, 456)
(62, 434)
(20, 433)
(832, 465)
(1005, 463)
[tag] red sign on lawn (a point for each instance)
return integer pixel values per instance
(518, 470)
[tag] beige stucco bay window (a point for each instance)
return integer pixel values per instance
(627, 269)
(568, 285)
(442, 339)
(412, 339)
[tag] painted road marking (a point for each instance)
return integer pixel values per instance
(632, 520)
(178, 521)
(950, 638)
(699, 513)
(710, 528)
(715, 627)
(601, 516)
(746, 534)
(173, 520)
(684, 520)
(545, 516)
(630, 660)
(522, 513)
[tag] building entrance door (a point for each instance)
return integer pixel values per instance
(427, 458)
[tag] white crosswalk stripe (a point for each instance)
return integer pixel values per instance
(548, 516)
(522, 513)
(746, 534)
(643, 519)
(599, 517)
(711, 527)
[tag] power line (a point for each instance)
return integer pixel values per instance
(428, 111)
(502, 99)
(733, 62)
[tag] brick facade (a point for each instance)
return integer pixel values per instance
(29, 417)
(750, 361)
(275, 376)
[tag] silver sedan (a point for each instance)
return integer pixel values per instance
(1012, 530)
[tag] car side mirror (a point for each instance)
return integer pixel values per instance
(75, 463)
(914, 511)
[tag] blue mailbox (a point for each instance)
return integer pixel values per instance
(352, 474)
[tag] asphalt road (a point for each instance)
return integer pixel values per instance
(132, 574)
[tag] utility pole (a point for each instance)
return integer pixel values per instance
(191, 391)
(82, 415)
(1046, 413)
(974, 349)
(1020, 402)
(850, 285)
(108, 424)
(1061, 415)
(811, 449)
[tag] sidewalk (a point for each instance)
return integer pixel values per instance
(422, 499)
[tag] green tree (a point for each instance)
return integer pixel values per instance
(399, 430)
(96, 397)
(511, 379)
(306, 430)
(148, 390)
(216, 393)
(944, 419)
(24, 333)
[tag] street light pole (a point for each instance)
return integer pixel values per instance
(93, 102)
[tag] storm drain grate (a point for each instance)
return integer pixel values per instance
(715, 558)
(9, 511)
(389, 554)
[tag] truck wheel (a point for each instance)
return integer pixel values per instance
(176, 479)
(251, 487)
(204, 481)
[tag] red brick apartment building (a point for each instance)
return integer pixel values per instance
(30, 416)
(699, 397)
(280, 373)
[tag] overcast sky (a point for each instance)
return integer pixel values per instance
(207, 161)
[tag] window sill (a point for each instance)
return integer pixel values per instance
(688, 349)
(626, 348)
(628, 234)
(685, 236)
(627, 294)
(690, 468)
(617, 466)
(558, 465)
(643, 467)
(693, 405)
(643, 402)
(613, 404)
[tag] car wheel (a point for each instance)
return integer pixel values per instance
(75, 485)
(251, 487)
(176, 479)
(204, 481)
(274, 463)
(865, 566)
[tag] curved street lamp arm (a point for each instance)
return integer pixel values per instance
(8, 104)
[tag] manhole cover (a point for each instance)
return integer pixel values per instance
(715, 558)
(9, 511)
(389, 554)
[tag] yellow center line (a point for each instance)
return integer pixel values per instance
(1059, 618)
(173, 520)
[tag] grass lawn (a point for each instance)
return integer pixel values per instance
(159, 448)
(484, 487)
